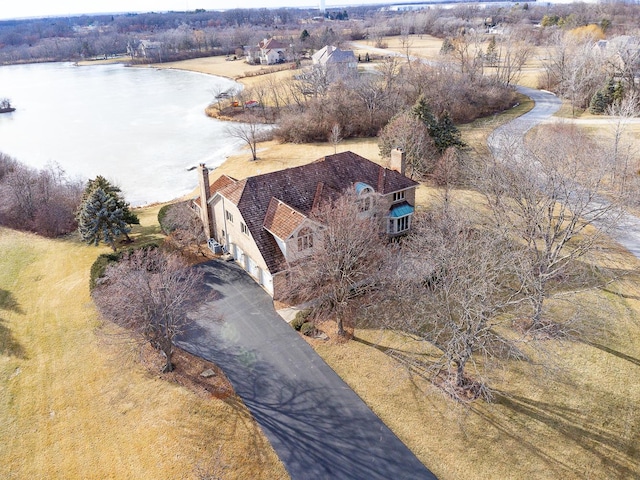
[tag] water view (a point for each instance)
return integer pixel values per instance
(142, 128)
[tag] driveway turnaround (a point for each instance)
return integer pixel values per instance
(317, 425)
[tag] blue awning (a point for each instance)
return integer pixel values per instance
(360, 186)
(401, 210)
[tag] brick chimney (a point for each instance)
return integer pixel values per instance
(205, 195)
(398, 160)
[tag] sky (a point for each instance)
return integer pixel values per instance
(41, 8)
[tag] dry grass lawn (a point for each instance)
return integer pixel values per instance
(75, 401)
(579, 419)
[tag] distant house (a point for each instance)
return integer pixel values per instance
(268, 52)
(622, 55)
(266, 221)
(339, 63)
(145, 49)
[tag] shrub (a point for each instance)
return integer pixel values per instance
(162, 213)
(300, 319)
(103, 261)
(308, 329)
(100, 266)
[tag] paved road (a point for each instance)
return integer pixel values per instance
(546, 104)
(317, 425)
(627, 232)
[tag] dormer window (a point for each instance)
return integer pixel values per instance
(364, 192)
(305, 239)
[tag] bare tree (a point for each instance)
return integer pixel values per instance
(406, 42)
(315, 81)
(184, 227)
(412, 135)
(454, 288)
(346, 260)
(150, 293)
(335, 137)
(623, 151)
(250, 132)
(548, 195)
(511, 57)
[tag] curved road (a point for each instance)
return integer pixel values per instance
(627, 232)
(317, 425)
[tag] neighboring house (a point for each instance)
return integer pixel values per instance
(268, 52)
(339, 63)
(622, 55)
(266, 221)
(145, 49)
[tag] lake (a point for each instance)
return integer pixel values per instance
(141, 128)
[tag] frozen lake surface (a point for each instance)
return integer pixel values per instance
(142, 128)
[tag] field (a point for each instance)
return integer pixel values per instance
(75, 402)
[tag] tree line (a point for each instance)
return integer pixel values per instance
(43, 201)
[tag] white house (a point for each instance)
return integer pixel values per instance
(268, 52)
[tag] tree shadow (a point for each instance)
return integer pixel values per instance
(610, 350)
(316, 424)
(8, 302)
(8, 343)
(608, 445)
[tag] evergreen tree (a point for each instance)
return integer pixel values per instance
(100, 219)
(445, 134)
(447, 46)
(422, 111)
(115, 192)
(304, 35)
(618, 93)
(609, 91)
(598, 103)
(491, 57)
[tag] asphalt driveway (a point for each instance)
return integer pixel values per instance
(317, 425)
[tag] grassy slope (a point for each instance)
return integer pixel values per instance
(74, 402)
(580, 421)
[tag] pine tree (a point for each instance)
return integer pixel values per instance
(598, 103)
(618, 93)
(101, 220)
(445, 134)
(491, 57)
(447, 46)
(115, 192)
(422, 110)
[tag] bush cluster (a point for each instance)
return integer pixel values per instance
(99, 266)
(300, 319)
(41, 201)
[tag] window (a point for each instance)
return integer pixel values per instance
(399, 225)
(229, 216)
(398, 196)
(305, 239)
(244, 228)
(364, 204)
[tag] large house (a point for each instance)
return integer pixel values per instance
(268, 52)
(266, 222)
(339, 63)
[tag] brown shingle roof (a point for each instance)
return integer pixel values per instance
(222, 182)
(297, 187)
(233, 191)
(282, 220)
